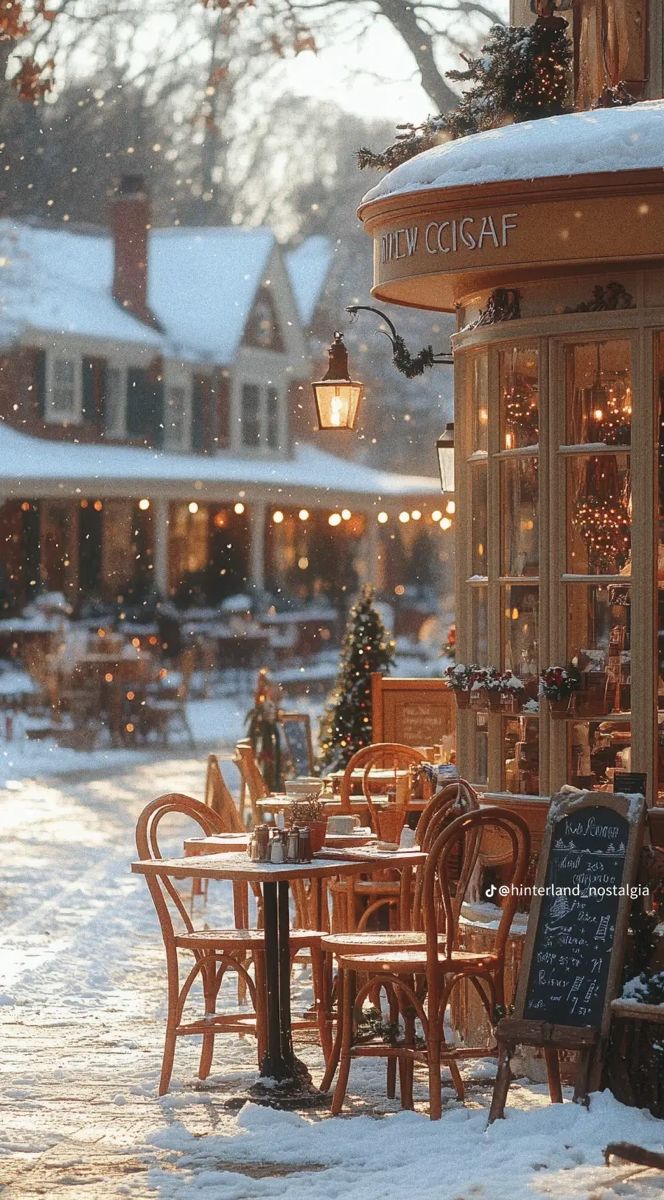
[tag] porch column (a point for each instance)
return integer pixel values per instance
(161, 526)
(256, 579)
(373, 556)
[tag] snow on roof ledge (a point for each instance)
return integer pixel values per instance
(607, 139)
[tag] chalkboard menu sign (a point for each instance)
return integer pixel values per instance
(578, 920)
(413, 712)
(297, 747)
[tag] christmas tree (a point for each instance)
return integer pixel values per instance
(520, 75)
(346, 725)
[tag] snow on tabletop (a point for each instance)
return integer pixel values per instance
(616, 139)
(24, 459)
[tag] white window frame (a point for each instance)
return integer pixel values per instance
(116, 417)
(263, 446)
(60, 416)
(173, 384)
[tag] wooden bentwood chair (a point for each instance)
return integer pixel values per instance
(422, 980)
(215, 951)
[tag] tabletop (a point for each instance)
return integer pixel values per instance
(237, 867)
(217, 843)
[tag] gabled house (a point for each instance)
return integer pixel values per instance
(150, 385)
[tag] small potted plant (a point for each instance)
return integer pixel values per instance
(485, 688)
(512, 692)
(557, 685)
(308, 811)
(459, 680)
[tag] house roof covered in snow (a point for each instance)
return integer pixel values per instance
(308, 267)
(35, 467)
(617, 139)
(201, 285)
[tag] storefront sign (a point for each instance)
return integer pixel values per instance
(447, 237)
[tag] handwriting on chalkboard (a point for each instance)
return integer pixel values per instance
(577, 919)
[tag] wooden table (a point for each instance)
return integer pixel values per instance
(357, 806)
(220, 843)
(280, 1063)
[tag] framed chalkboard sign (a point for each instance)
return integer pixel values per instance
(413, 712)
(575, 941)
(297, 747)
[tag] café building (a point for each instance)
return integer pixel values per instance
(546, 239)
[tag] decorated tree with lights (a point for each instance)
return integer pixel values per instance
(347, 725)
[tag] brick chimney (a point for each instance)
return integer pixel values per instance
(130, 223)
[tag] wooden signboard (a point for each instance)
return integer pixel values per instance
(575, 942)
(297, 747)
(414, 712)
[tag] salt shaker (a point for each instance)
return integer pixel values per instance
(276, 848)
(262, 834)
(293, 845)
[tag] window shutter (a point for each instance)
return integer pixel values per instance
(198, 415)
(223, 413)
(145, 407)
(39, 381)
(88, 381)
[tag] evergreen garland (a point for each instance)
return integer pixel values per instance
(520, 75)
(346, 724)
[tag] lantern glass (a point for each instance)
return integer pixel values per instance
(337, 403)
(445, 451)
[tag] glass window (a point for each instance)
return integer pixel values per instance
(599, 393)
(480, 402)
(479, 519)
(63, 388)
(521, 755)
(115, 402)
(251, 415)
(521, 630)
(519, 508)
(596, 749)
(519, 397)
(272, 417)
(599, 512)
(598, 642)
(480, 650)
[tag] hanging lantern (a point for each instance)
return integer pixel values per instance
(445, 451)
(337, 396)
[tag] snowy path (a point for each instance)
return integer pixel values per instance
(81, 1015)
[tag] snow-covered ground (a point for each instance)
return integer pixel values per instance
(81, 1015)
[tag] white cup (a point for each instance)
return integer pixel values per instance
(343, 823)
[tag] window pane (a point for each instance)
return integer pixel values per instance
(521, 755)
(175, 419)
(521, 631)
(599, 509)
(519, 398)
(114, 402)
(596, 749)
(272, 417)
(251, 426)
(598, 640)
(599, 393)
(480, 407)
(519, 506)
(479, 602)
(479, 519)
(63, 391)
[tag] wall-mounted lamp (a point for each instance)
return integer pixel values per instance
(337, 396)
(445, 451)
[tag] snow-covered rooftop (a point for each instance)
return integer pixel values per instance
(29, 464)
(201, 285)
(616, 139)
(308, 267)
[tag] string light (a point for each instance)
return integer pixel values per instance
(382, 518)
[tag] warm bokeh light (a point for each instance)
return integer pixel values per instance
(416, 514)
(436, 515)
(450, 507)
(303, 514)
(193, 507)
(445, 523)
(334, 519)
(404, 517)
(277, 516)
(238, 508)
(382, 518)
(346, 514)
(144, 505)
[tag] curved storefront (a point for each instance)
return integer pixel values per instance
(558, 286)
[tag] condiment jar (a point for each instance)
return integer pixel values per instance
(293, 845)
(262, 835)
(252, 848)
(276, 848)
(304, 838)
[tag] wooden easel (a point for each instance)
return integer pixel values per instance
(558, 1027)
